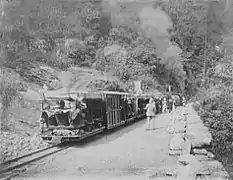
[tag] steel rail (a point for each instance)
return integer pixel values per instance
(26, 155)
(16, 165)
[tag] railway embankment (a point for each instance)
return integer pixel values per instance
(190, 143)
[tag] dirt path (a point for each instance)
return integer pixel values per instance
(130, 153)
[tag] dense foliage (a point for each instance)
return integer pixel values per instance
(65, 34)
(217, 111)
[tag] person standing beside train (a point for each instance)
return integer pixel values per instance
(170, 104)
(164, 105)
(160, 105)
(174, 104)
(150, 112)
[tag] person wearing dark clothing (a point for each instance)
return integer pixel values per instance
(60, 116)
(170, 104)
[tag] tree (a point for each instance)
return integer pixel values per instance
(174, 63)
(197, 29)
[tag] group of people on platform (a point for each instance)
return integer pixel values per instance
(162, 105)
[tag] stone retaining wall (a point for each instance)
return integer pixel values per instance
(190, 138)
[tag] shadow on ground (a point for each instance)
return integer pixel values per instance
(112, 135)
(109, 136)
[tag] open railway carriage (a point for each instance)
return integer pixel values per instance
(71, 117)
(136, 105)
(76, 116)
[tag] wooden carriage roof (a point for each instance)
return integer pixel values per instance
(115, 92)
(55, 96)
(170, 94)
(74, 95)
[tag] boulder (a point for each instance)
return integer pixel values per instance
(176, 126)
(190, 135)
(204, 171)
(193, 118)
(186, 173)
(199, 130)
(202, 158)
(199, 143)
(177, 142)
(186, 159)
(207, 140)
(202, 139)
(180, 118)
(175, 152)
(221, 175)
(179, 129)
(187, 147)
(214, 165)
(198, 126)
(200, 151)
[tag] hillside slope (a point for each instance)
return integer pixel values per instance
(21, 127)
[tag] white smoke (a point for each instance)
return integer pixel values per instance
(153, 23)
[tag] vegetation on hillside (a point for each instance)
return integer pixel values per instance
(128, 40)
(76, 33)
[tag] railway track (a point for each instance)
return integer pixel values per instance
(29, 158)
(24, 160)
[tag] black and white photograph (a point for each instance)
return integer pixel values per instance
(116, 89)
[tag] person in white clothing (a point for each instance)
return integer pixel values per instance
(150, 112)
(164, 105)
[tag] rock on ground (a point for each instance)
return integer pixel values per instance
(196, 136)
(177, 142)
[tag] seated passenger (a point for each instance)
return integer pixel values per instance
(45, 115)
(76, 115)
(60, 116)
(74, 112)
(47, 118)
